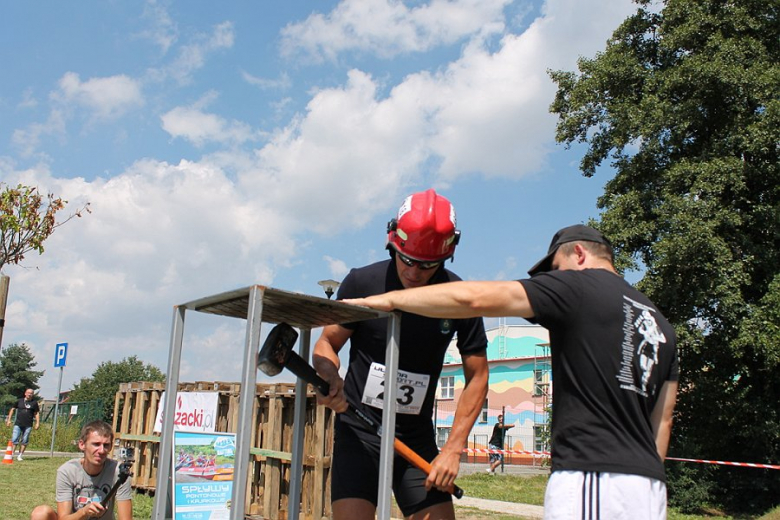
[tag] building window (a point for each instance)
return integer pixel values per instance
(442, 434)
(541, 437)
(447, 386)
(540, 385)
(483, 417)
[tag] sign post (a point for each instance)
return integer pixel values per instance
(60, 355)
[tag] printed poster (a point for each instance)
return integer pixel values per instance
(195, 412)
(202, 475)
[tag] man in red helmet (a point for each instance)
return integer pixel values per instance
(419, 240)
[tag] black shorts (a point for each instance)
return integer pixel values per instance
(355, 472)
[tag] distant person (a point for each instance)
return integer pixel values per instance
(82, 483)
(420, 239)
(27, 413)
(496, 442)
(614, 367)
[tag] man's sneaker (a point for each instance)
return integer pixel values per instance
(490, 471)
(19, 458)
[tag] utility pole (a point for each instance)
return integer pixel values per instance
(4, 281)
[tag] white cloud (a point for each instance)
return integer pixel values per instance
(388, 27)
(282, 83)
(28, 140)
(338, 268)
(192, 57)
(486, 113)
(28, 99)
(200, 127)
(163, 31)
(349, 146)
(107, 98)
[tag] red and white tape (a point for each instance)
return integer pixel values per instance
(703, 461)
(508, 452)
(726, 463)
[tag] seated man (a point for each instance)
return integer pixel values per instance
(82, 483)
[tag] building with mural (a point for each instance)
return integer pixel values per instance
(520, 387)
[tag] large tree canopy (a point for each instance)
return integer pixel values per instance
(106, 378)
(16, 374)
(685, 103)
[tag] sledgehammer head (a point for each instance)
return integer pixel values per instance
(276, 349)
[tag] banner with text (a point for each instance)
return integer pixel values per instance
(195, 412)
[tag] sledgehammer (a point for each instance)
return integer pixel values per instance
(277, 354)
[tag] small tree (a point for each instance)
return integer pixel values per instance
(25, 222)
(105, 381)
(16, 374)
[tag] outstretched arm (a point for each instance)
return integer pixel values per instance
(455, 300)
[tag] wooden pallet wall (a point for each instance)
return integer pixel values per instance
(268, 482)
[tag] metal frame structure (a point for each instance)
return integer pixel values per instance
(258, 304)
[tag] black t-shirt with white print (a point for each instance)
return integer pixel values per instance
(25, 412)
(423, 344)
(612, 351)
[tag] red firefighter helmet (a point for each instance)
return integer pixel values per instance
(424, 229)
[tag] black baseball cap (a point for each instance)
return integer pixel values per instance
(568, 234)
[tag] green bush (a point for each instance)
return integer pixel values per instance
(40, 439)
(688, 487)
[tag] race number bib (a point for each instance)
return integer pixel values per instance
(411, 389)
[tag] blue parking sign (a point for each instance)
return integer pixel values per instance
(60, 353)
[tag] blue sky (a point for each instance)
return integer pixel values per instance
(223, 145)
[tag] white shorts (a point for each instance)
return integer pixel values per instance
(608, 496)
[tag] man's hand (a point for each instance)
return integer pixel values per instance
(444, 470)
(325, 359)
(93, 510)
(335, 400)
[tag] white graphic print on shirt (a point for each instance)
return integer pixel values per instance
(647, 350)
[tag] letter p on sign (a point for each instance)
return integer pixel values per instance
(60, 353)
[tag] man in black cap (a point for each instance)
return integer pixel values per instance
(614, 366)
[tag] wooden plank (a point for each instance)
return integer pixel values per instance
(117, 398)
(126, 412)
(273, 467)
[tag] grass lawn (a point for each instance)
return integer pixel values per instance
(29, 483)
(26, 484)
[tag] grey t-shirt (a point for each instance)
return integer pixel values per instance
(76, 485)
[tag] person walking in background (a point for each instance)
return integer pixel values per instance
(28, 415)
(614, 367)
(419, 240)
(497, 443)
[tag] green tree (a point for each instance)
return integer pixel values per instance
(684, 102)
(106, 378)
(16, 374)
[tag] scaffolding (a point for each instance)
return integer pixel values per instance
(542, 398)
(503, 347)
